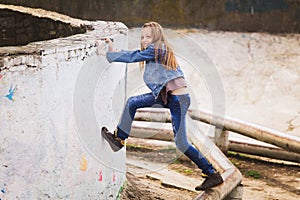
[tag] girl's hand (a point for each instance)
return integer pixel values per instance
(109, 41)
(101, 48)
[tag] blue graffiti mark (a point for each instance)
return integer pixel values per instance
(11, 93)
(3, 191)
(255, 5)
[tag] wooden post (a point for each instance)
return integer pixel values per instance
(221, 139)
(236, 193)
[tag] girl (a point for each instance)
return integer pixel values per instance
(168, 88)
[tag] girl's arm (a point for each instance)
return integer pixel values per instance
(127, 56)
(131, 56)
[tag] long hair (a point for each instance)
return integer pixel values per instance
(162, 50)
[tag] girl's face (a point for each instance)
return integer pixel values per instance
(146, 37)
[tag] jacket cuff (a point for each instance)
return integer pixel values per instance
(109, 57)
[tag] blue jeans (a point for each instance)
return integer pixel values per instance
(178, 105)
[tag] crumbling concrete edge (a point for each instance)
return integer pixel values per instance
(83, 45)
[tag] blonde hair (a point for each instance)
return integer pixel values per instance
(166, 54)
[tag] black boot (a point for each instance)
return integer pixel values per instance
(115, 143)
(211, 181)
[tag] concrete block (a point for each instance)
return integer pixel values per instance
(51, 146)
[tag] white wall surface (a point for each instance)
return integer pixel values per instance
(50, 141)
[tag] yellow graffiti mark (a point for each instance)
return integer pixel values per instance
(83, 163)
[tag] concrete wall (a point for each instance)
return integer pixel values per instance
(55, 97)
(277, 16)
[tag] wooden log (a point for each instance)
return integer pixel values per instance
(163, 131)
(221, 140)
(231, 175)
(285, 141)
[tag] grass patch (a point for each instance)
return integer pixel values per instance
(177, 161)
(188, 171)
(132, 147)
(185, 171)
(253, 174)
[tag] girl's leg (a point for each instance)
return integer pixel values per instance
(179, 105)
(132, 104)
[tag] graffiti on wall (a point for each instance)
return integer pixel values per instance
(10, 93)
(2, 192)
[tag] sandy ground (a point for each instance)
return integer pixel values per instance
(263, 178)
(260, 79)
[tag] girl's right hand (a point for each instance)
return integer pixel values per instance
(108, 41)
(101, 48)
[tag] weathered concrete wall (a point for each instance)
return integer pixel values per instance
(53, 103)
(276, 16)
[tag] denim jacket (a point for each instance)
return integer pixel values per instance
(156, 76)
